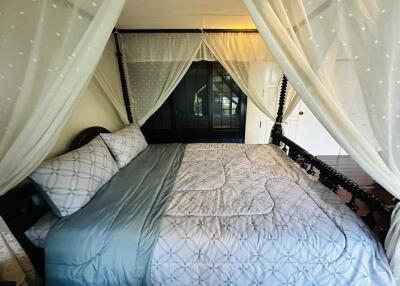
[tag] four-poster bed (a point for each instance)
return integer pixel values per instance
(377, 218)
(167, 240)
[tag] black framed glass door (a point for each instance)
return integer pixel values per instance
(206, 106)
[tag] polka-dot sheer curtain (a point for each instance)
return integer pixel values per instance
(343, 58)
(156, 63)
(48, 52)
(246, 58)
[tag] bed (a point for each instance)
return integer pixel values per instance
(214, 214)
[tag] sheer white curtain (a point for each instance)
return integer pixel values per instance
(48, 52)
(156, 63)
(248, 61)
(343, 58)
(107, 75)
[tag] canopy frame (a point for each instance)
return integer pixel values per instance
(378, 217)
(130, 31)
(122, 76)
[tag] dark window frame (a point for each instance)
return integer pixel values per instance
(179, 119)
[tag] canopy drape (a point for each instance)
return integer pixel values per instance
(246, 58)
(48, 52)
(158, 61)
(108, 77)
(14, 263)
(343, 58)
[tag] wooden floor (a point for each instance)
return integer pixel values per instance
(349, 168)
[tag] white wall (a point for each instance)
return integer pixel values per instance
(311, 135)
(93, 109)
(258, 125)
(303, 129)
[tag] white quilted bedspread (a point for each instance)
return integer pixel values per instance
(247, 215)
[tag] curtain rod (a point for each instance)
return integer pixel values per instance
(126, 31)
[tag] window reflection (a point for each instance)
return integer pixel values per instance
(227, 96)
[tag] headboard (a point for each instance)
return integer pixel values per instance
(22, 206)
(86, 135)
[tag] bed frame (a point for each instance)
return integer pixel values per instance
(378, 214)
(22, 207)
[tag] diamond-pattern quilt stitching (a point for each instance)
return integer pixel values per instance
(218, 187)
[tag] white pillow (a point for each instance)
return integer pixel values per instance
(38, 232)
(125, 144)
(69, 181)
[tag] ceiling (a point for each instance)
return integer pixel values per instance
(185, 14)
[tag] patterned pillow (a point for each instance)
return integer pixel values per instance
(38, 232)
(69, 181)
(125, 144)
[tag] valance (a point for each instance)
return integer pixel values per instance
(160, 47)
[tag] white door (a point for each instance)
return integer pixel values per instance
(258, 125)
(293, 124)
(305, 129)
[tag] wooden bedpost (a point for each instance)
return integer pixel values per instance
(122, 76)
(276, 131)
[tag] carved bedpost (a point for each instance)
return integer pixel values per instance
(122, 76)
(277, 128)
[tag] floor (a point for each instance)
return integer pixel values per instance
(348, 167)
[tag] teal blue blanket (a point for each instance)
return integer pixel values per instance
(110, 240)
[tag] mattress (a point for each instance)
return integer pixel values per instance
(214, 214)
